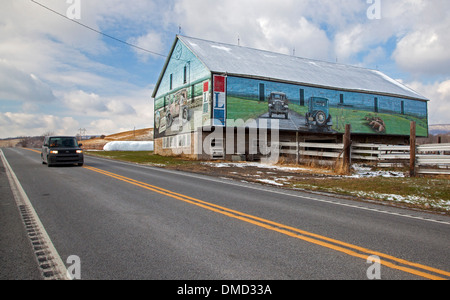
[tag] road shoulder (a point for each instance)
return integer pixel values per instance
(16, 256)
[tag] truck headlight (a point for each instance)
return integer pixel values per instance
(54, 152)
(79, 151)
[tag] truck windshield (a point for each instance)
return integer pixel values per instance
(277, 97)
(63, 142)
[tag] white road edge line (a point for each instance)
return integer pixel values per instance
(253, 186)
(22, 200)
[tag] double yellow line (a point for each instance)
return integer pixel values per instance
(349, 249)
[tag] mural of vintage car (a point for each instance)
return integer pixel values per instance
(318, 116)
(178, 107)
(278, 104)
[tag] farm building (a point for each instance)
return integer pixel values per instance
(215, 100)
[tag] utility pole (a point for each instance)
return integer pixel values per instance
(82, 132)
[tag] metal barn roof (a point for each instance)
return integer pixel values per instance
(248, 62)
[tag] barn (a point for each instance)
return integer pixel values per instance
(216, 100)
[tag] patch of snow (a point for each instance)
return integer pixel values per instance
(395, 82)
(271, 182)
(366, 172)
(129, 146)
(256, 165)
(221, 48)
(442, 204)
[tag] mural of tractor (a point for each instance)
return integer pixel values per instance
(178, 107)
(318, 116)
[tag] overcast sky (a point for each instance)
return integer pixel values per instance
(57, 76)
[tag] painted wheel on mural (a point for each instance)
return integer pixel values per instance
(185, 115)
(321, 118)
(169, 120)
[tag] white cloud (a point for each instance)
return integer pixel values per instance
(107, 115)
(91, 104)
(277, 26)
(104, 126)
(421, 28)
(27, 124)
(284, 37)
(84, 103)
(21, 86)
(152, 41)
(425, 51)
(439, 95)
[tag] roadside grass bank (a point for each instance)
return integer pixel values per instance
(145, 158)
(422, 193)
(390, 187)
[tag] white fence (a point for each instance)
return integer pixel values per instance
(430, 159)
(383, 155)
(436, 156)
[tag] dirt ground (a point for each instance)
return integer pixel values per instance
(256, 172)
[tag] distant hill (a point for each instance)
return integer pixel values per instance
(439, 129)
(133, 135)
(7, 143)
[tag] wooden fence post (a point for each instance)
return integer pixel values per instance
(347, 148)
(412, 151)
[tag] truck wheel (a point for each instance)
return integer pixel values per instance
(321, 118)
(185, 114)
(48, 163)
(169, 121)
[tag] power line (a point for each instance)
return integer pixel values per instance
(97, 31)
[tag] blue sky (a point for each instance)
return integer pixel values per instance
(57, 76)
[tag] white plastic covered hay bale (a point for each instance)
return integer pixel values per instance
(129, 146)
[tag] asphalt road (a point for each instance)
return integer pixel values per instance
(125, 221)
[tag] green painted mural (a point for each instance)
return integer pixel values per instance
(311, 109)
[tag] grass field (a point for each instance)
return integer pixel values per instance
(395, 124)
(241, 109)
